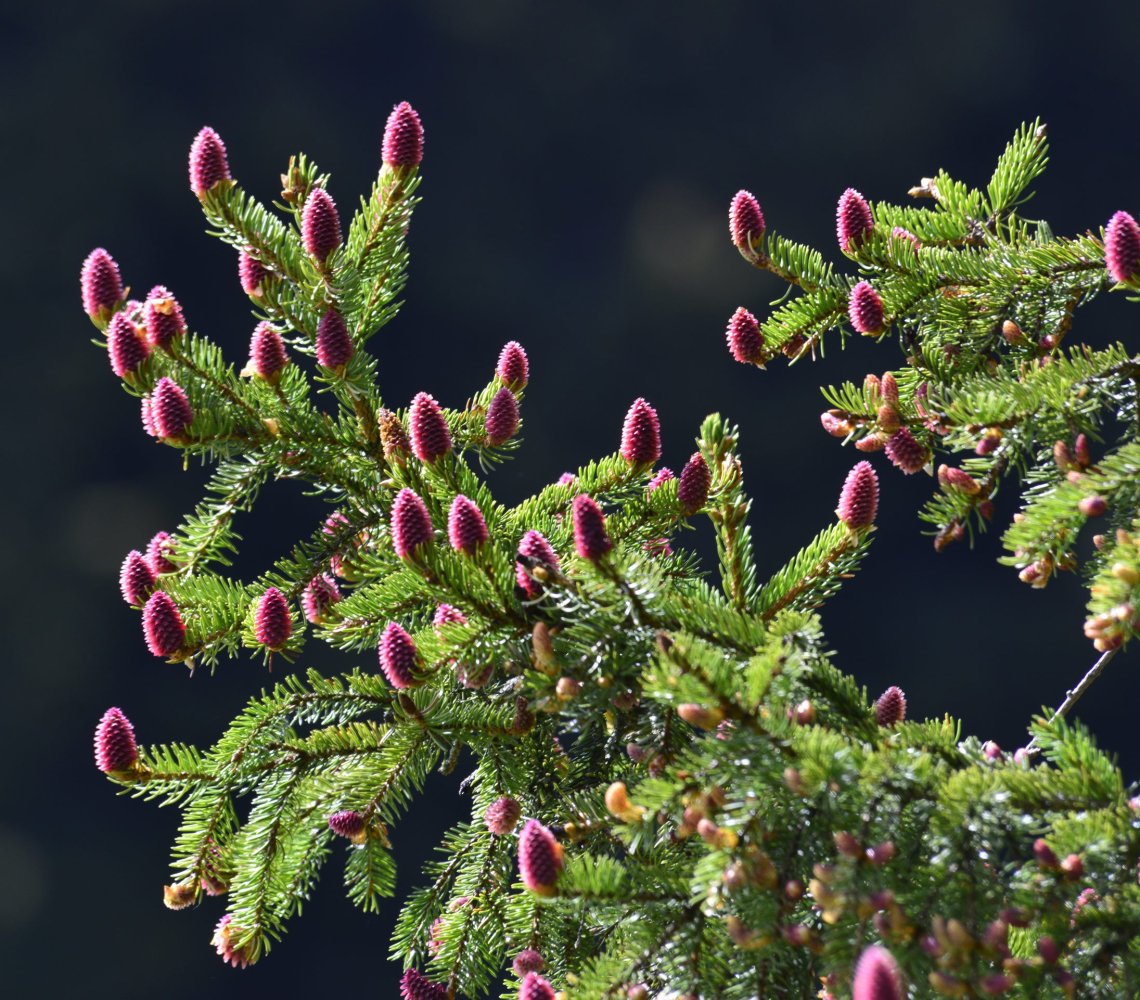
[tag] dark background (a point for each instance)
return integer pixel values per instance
(579, 162)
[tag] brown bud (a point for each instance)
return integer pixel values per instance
(542, 647)
(618, 804)
(699, 716)
(180, 895)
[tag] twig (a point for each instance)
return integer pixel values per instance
(1074, 695)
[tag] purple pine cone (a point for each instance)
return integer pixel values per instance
(502, 417)
(877, 976)
(853, 220)
(445, 614)
(320, 224)
(1122, 247)
(431, 438)
(590, 538)
(163, 317)
(170, 410)
(501, 817)
(662, 475)
(890, 707)
(745, 340)
(641, 434)
(745, 223)
(272, 622)
(859, 498)
(208, 163)
(534, 546)
(905, 452)
(334, 345)
(540, 858)
(693, 488)
(158, 551)
(398, 657)
(513, 369)
(415, 986)
(251, 274)
(162, 625)
(527, 960)
(865, 309)
(267, 357)
(411, 523)
(136, 578)
(348, 824)
(126, 346)
(466, 529)
(534, 987)
(320, 594)
(115, 747)
(100, 284)
(403, 137)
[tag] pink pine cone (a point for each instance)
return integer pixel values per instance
(348, 824)
(100, 284)
(502, 815)
(267, 357)
(905, 452)
(416, 986)
(431, 438)
(877, 976)
(398, 657)
(403, 144)
(527, 960)
(115, 746)
(170, 410)
(1122, 247)
(590, 538)
(158, 552)
(853, 220)
(208, 163)
(905, 234)
(534, 546)
(540, 858)
(445, 614)
(693, 488)
(534, 987)
(127, 349)
(859, 498)
(745, 340)
(163, 317)
(513, 369)
(162, 625)
(136, 578)
(466, 529)
(272, 622)
(661, 476)
(890, 707)
(251, 274)
(223, 941)
(641, 434)
(411, 524)
(865, 309)
(320, 224)
(334, 345)
(502, 417)
(320, 594)
(745, 223)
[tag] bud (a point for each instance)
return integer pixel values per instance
(902, 234)
(872, 443)
(208, 164)
(534, 547)
(881, 853)
(502, 420)
(320, 224)
(466, 529)
(170, 410)
(540, 858)
(410, 524)
(590, 539)
(693, 488)
(745, 340)
(804, 713)
(1081, 451)
(225, 934)
(619, 806)
(567, 688)
(527, 960)
(523, 722)
(890, 707)
(403, 144)
(853, 220)
(1122, 247)
(100, 285)
(889, 389)
(699, 716)
(267, 357)
(988, 443)
(415, 986)
(431, 438)
(662, 475)
(251, 274)
(398, 657)
(836, 424)
(534, 987)
(501, 817)
(859, 498)
(865, 309)
(991, 750)
(445, 614)
(995, 984)
(888, 418)
(126, 347)
(958, 479)
(745, 223)
(115, 747)
(1093, 506)
(905, 452)
(513, 369)
(163, 318)
(272, 622)
(136, 578)
(162, 625)
(180, 896)
(877, 976)
(320, 594)
(641, 434)
(334, 345)
(1073, 867)
(1048, 950)
(349, 824)
(158, 552)
(1063, 457)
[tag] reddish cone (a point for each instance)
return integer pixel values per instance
(745, 223)
(534, 546)
(859, 498)
(534, 987)
(403, 137)
(905, 452)
(126, 347)
(223, 941)
(466, 529)
(540, 858)
(641, 434)
(100, 284)
(853, 220)
(136, 578)
(502, 417)
(162, 625)
(445, 614)
(251, 274)
(170, 409)
(431, 438)
(208, 164)
(904, 234)
(877, 976)
(334, 345)
(513, 369)
(693, 488)
(415, 986)
(527, 960)
(745, 341)
(590, 538)
(662, 475)
(398, 657)
(865, 309)
(393, 437)
(1122, 247)
(320, 224)
(411, 523)
(348, 824)
(272, 622)
(890, 707)
(267, 357)
(115, 747)
(158, 551)
(320, 594)
(163, 317)
(502, 816)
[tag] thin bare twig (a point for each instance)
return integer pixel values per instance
(1074, 695)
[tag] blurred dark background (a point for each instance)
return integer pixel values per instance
(579, 164)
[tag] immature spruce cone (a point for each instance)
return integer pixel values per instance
(403, 137)
(889, 389)
(225, 934)
(513, 369)
(115, 747)
(890, 707)
(1122, 247)
(348, 824)
(398, 657)
(859, 498)
(272, 622)
(502, 418)
(393, 437)
(641, 434)
(320, 594)
(208, 163)
(590, 538)
(534, 546)
(431, 438)
(170, 409)
(267, 357)
(693, 488)
(865, 309)
(662, 475)
(158, 552)
(466, 529)
(540, 858)
(320, 224)
(534, 987)
(251, 274)
(527, 960)
(745, 223)
(126, 347)
(502, 815)
(411, 523)
(905, 452)
(445, 614)
(877, 976)
(745, 341)
(903, 234)
(853, 220)
(162, 625)
(334, 345)
(163, 317)
(136, 578)
(416, 986)
(100, 284)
